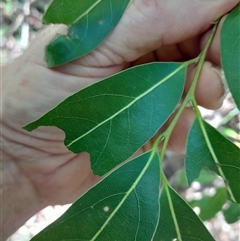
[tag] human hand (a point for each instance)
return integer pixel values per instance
(37, 163)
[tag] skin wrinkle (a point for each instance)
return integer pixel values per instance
(136, 48)
(88, 72)
(25, 141)
(94, 59)
(72, 179)
(106, 56)
(43, 177)
(87, 179)
(16, 178)
(124, 47)
(8, 149)
(71, 157)
(116, 49)
(54, 131)
(46, 179)
(39, 153)
(128, 43)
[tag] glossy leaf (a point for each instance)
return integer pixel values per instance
(123, 206)
(113, 118)
(91, 22)
(210, 205)
(230, 52)
(190, 227)
(68, 11)
(232, 213)
(214, 152)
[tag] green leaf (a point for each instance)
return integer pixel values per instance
(113, 118)
(206, 147)
(68, 11)
(210, 206)
(230, 52)
(176, 214)
(232, 213)
(123, 206)
(91, 22)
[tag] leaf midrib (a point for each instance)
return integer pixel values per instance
(87, 11)
(126, 196)
(172, 211)
(129, 105)
(212, 151)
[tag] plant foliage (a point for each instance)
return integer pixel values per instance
(90, 23)
(113, 118)
(230, 52)
(129, 207)
(111, 109)
(177, 220)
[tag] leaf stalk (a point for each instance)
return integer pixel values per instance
(190, 97)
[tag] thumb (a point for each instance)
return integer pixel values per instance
(149, 24)
(194, 18)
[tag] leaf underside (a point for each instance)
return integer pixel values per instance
(190, 226)
(232, 213)
(199, 156)
(90, 23)
(123, 206)
(113, 118)
(230, 52)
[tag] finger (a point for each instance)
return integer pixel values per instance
(214, 54)
(147, 58)
(210, 89)
(185, 50)
(178, 139)
(35, 52)
(156, 23)
(74, 177)
(169, 53)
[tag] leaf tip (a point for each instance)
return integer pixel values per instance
(28, 127)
